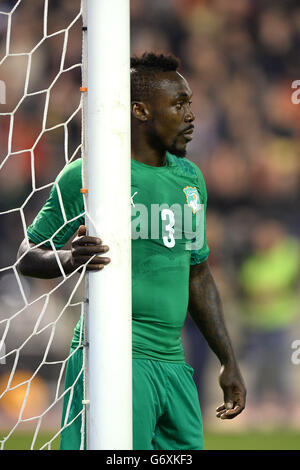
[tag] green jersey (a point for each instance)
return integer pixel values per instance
(168, 235)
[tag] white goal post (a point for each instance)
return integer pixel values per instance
(108, 182)
(105, 310)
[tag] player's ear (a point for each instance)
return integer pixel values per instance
(140, 111)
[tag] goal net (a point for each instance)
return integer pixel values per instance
(40, 133)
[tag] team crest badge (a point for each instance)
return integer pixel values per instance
(192, 198)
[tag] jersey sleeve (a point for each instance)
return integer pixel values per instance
(63, 212)
(198, 256)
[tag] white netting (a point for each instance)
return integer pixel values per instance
(40, 133)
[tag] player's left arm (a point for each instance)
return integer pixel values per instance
(205, 307)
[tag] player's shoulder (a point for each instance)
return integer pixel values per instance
(71, 174)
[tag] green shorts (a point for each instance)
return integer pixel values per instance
(166, 410)
(70, 437)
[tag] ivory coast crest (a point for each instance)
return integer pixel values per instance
(192, 198)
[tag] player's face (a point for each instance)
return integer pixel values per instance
(171, 126)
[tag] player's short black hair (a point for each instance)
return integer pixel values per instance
(144, 72)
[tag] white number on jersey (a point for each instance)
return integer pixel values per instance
(169, 240)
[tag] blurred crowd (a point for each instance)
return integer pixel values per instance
(240, 58)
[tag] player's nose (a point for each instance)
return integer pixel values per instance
(189, 116)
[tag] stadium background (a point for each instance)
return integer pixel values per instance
(240, 58)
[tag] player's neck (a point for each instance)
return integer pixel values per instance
(149, 158)
(142, 152)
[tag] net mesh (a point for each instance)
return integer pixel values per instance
(40, 132)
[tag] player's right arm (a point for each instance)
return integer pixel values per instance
(41, 261)
(60, 218)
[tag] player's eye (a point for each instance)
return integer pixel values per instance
(182, 103)
(179, 105)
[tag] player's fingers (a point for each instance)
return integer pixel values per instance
(81, 230)
(96, 260)
(229, 414)
(91, 267)
(220, 408)
(227, 405)
(90, 250)
(240, 398)
(100, 260)
(228, 398)
(84, 240)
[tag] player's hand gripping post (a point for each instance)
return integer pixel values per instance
(41, 262)
(85, 247)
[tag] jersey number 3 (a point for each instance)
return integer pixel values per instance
(168, 215)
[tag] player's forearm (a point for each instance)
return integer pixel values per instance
(42, 263)
(205, 307)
